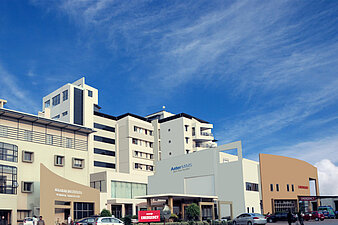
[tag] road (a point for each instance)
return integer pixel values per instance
(325, 222)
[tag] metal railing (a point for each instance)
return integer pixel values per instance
(42, 138)
(207, 134)
(199, 145)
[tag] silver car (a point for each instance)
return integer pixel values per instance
(249, 219)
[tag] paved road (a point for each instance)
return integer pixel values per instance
(325, 222)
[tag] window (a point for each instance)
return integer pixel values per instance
(8, 152)
(83, 209)
(104, 127)
(287, 188)
(186, 127)
(65, 113)
(150, 144)
(78, 163)
(104, 139)
(169, 141)
(187, 140)
(28, 135)
(59, 160)
(104, 164)
(27, 156)
(104, 152)
(56, 100)
(134, 141)
(251, 186)
(47, 104)
(135, 128)
(187, 151)
(99, 185)
(127, 190)
(271, 187)
(3, 131)
(8, 179)
(56, 117)
(146, 131)
(151, 133)
(27, 187)
(277, 187)
(90, 93)
(49, 139)
(168, 130)
(252, 209)
(69, 143)
(293, 188)
(248, 209)
(65, 95)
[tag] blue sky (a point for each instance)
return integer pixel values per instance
(264, 72)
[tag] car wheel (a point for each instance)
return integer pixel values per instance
(270, 220)
(316, 219)
(249, 223)
(321, 219)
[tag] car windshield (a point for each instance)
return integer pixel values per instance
(255, 214)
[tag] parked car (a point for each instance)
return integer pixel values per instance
(327, 211)
(108, 221)
(249, 219)
(28, 221)
(314, 215)
(281, 216)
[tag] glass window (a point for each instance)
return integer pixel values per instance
(47, 104)
(277, 187)
(104, 164)
(56, 100)
(59, 160)
(293, 188)
(127, 190)
(49, 139)
(78, 163)
(28, 135)
(104, 127)
(8, 152)
(65, 95)
(138, 189)
(271, 187)
(69, 143)
(27, 187)
(8, 179)
(56, 117)
(287, 187)
(65, 113)
(251, 186)
(104, 152)
(134, 141)
(83, 209)
(90, 93)
(104, 139)
(27, 156)
(3, 131)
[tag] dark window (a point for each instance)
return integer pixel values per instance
(251, 186)
(293, 188)
(8, 152)
(97, 185)
(287, 187)
(271, 187)
(90, 93)
(8, 179)
(78, 106)
(47, 104)
(277, 187)
(104, 127)
(83, 209)
(104, 139)
(186, 127)
(61, 203)
(65, 95)
(104, 152)
(27, 187)
(65, 113)
(104, 164)
(56, 100)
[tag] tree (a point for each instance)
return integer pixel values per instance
(193, 211)
(105, 213)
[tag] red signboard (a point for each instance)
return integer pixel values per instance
(149, 216)
(303, 187)
(307, 198)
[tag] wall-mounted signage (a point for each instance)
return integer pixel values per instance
(149, 216)
(67, 193)
(307, 198)
(180, 168)
(303, 187)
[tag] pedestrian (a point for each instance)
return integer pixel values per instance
(3, 221)
(41, 221)
(290, 217)
(300, 218)
(35, 220)
(69, 220)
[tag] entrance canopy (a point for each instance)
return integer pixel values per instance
(181, 201)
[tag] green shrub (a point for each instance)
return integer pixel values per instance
(126, 220)
(134, 217)
(105, 213)
(193, 212)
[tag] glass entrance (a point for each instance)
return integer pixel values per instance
(116, 210)
(8, 216)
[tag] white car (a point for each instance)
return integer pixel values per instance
(108, 221)
(28, 221)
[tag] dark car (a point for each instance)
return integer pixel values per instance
(280, 217)
(314, 215)
(86, 221)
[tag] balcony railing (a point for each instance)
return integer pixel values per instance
(199, 145)
(42, 138)
(207, 134)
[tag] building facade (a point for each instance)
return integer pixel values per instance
(29, 143)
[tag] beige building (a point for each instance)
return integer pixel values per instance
(28, 141)
(284, 180)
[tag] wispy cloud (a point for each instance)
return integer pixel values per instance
(327, 176)
(18, 97)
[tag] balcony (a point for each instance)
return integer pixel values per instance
(204, 145)
(207, 134)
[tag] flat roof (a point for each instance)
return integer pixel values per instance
(179, 116)
(44, 121)
(165, 196)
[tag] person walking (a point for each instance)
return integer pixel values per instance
(41, 221)
(3, 221)
(300, 218)
(289, 217)
(69, 220)
(35, 220)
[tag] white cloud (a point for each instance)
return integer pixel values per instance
(328, 177)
